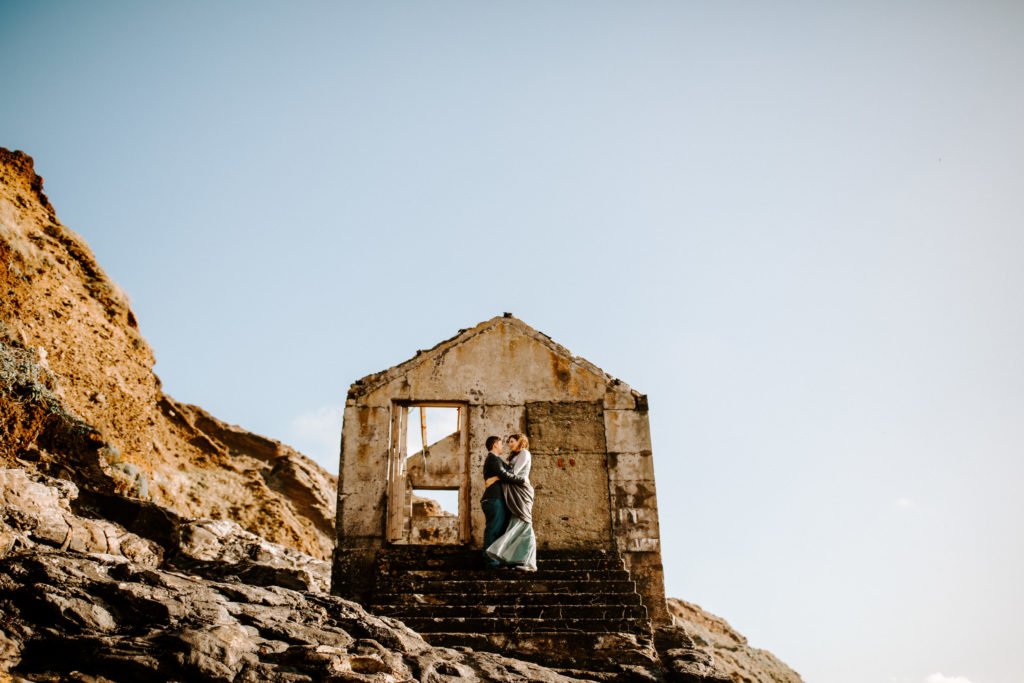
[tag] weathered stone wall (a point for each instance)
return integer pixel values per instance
(442, 467)
(589, 437)
(633, 496)
(570, 473)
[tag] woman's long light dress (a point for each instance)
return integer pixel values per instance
(518, 545)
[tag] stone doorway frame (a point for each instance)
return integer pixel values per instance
(398, 512)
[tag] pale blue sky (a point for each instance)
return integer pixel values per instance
(795, 225)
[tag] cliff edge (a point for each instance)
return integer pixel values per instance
(93, 410)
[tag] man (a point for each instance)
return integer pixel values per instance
(496, 471)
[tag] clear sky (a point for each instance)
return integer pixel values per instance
(796, 226)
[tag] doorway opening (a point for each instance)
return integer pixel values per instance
(427, 465)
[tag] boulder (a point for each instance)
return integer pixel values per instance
(36, 509)
(222, 547)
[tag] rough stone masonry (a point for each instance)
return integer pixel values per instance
(589, 435)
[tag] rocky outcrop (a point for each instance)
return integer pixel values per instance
(118, 621)
(87, 600)
(222, 548)
(79, 399)
(731, 656)
(205, 600)
(685, 661)
(36, 510)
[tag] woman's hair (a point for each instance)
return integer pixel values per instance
(522, 443)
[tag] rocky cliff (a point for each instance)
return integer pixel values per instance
(80, 400)
(733, 655)
(143, 539)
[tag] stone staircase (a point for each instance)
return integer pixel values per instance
(579, 610)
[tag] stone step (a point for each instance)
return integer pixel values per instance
(477, 564)
(573, 597)
(401, 584)
(586, 651)
(569, 563)
(525, 626)
(610, 611)
(542, 574)
(418, 551)
(434, 558)
(580, 610)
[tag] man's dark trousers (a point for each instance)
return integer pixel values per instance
(496, 514)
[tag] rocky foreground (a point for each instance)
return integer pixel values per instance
(84, 599)
(143, 539)
(205, 600)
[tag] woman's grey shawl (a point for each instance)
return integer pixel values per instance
(519, 499)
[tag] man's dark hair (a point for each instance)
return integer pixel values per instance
(491, 440)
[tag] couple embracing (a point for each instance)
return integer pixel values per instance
(509, 540)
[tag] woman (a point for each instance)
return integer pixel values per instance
(518, 545)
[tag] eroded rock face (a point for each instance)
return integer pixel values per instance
(731, 656)
(78, 397)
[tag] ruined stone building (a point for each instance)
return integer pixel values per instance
(592, 465)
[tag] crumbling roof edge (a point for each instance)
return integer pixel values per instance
(376, 380)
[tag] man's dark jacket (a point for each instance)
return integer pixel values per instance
(496, 467)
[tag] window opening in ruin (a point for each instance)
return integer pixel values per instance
(427, 426)
(435, 503)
